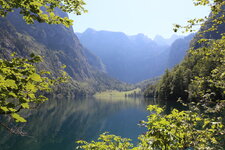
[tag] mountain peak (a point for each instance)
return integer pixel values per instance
(166, 41)
(142, 36)
(157, 37)
(89, 30)
(160, 40)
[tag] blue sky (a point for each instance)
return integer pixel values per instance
(150, 17)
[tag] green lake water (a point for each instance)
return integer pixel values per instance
(58, 123)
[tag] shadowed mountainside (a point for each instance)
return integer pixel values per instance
(58, 45)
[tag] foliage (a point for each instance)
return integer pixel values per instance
(149, 91)
(177, 130)
(21, 85)
(210, 79)
(106, 142)
(200, 74)
(200, 77)
(43, 10)
(216, 16)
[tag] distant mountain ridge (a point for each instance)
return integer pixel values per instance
(131, 58)
(167, 41)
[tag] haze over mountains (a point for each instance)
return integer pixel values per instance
(58, 45)
(166, 41)
(134, 58)
(95, 55)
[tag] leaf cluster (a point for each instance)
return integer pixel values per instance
(177, 130)
(43, 10)
(22, 85)
(200, 74)
(216, 16)
(106, 142)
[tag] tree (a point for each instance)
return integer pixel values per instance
(22, 85)
(43, 10)
(178, 130)
(205, 59)
(107, 142)
(202, 126)
(216, 16)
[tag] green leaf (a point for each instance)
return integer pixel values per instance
(12, 94)
(63, 66)
(31, 96)
(36, 3)
(4, 109)
(18, 118)
(13, 54)
(11, 83)
(25, 105)
(36, 77)
(31, 87)
(12, 109)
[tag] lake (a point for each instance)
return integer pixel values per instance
(58, 123)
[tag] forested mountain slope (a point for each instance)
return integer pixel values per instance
(200, 76)
(58, 45)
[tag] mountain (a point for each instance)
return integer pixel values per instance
(122, 55)
(178, 50)
(166, 42)
(200, 75)
(58, 45)
(130, 58)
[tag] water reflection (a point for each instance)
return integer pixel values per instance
(59, 122)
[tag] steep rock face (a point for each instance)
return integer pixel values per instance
(178, 50)
(57, 43)
(203, 33)
(94, 61)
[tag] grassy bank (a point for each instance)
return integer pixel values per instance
(115, 93)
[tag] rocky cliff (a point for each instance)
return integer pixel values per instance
(58, 45)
